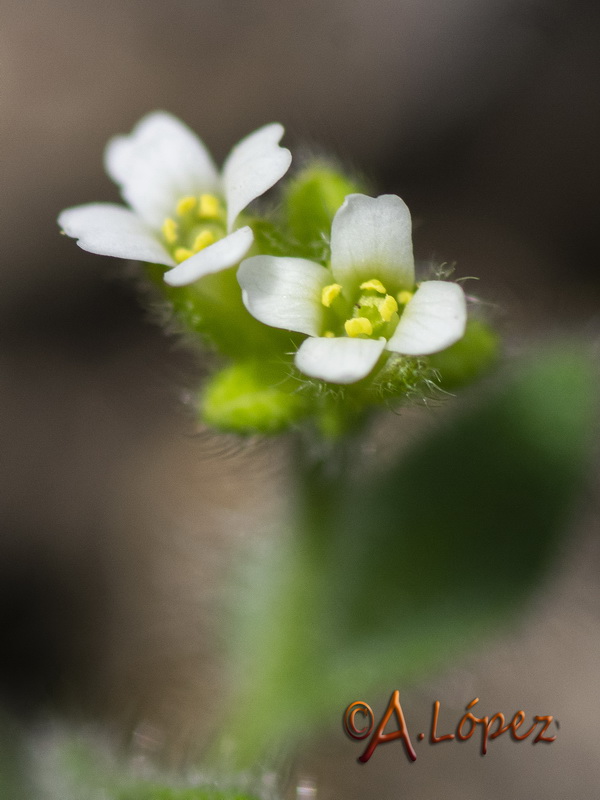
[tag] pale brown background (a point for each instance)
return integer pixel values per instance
(118, 524)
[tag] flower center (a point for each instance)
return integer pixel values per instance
(369, 312)
(197, 223)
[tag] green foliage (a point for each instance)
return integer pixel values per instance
(468, 358)
(211, 311)
(310, 203)
(148, 791)
(269, 238)
(388, 578)
(73, 766)
(402, 377)
(253, 397)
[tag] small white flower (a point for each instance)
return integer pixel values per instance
(183, 212)
(365, 303)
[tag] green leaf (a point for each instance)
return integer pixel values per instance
(387, 578)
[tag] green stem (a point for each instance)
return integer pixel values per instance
(281, 655)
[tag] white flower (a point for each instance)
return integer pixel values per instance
(365, 303)
(183, 212)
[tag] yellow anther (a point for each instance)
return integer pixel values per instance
(169, 230)
(329, 335)
(404, 297)
(182, 253)
(329, 293)
(358, 326)
(374, 284)
(203, 239)
(388, 308)
(185, 205)
(209, 207)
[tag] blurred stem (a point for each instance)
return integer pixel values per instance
(322, 470)
(284, 658)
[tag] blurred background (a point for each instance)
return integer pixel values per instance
(119, 520)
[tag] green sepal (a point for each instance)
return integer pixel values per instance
(212, 310)
(269, 238)
(310, 203)
(469, 358)
(253, 397)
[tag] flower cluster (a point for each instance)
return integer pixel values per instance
(354, 307)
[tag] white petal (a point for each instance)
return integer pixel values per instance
(371, 238)
(220, 255)
(160, 162)
(252, 167)
(338, 360)
(434, 319)
(284, 292)
(112, 230)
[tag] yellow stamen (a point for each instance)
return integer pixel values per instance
(209, 207)
(182, 253)
(203, 239)
(169, 230)
(185, 205)
(329, 335)
(404, 297)
(374, 284)
(388, 308)
(329, 293)
(358, 326)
